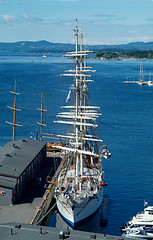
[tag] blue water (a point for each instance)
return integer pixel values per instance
(126, 125)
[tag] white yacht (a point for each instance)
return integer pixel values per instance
(144, 218)
(142, 221)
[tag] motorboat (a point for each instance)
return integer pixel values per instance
(143, 220)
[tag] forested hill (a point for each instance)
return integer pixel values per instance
(49, 47)
(35, 47)
(135, 54)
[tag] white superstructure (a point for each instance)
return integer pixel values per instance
(144, 218)
(141, 225)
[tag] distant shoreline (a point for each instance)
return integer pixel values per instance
(104, 56)
(45, 47)
(125, 59)
(126, 55)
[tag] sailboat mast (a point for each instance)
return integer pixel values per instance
(41, 120)
(41, 117)
(14, 112)
(81, 97)
(141, 73)
(81, 44)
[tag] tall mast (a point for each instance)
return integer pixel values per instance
(81, 98)
(41, 120)
(76, 92)
(14, 112)
(80, 115)
(76, 66)
(141, 73)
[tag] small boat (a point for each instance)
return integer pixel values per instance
(141, 81)
(105, 152)
(44, 56)
(150, 83)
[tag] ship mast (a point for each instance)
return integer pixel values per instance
(14, 112)
(80, 115)
(81, 99)
(76, 92)
(41, 120)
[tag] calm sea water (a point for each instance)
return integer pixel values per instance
(126, 125)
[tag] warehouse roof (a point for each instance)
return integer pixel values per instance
(15, 156)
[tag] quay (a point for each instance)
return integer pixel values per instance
(22, 164)
(24, 201)
(23, 231)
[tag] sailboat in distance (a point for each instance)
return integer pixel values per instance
(79, 190)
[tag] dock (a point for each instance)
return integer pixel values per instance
(20, 199)
(21, 217)
(24, 231)
(130, 82)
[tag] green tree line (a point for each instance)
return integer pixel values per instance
(139, 54)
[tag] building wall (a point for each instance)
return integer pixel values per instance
(28, 174)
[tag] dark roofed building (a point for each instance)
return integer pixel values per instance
(19, 162)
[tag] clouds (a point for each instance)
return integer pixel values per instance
(106, 19)
(119, 34)
(97, 29)
(10, 19)
(26, 17)
(103, 22)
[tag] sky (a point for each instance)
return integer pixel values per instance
(102, 21)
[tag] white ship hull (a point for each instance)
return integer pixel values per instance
(76, 211)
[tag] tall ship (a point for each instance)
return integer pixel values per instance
(79, 189)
